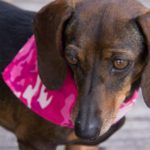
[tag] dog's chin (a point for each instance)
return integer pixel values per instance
(106, 126)
(104, 130)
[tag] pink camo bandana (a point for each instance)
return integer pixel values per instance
(56, 106)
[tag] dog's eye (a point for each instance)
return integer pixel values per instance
(120, 64)
(71, 59)
(71, 54)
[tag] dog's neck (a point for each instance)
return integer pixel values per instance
(56, 106)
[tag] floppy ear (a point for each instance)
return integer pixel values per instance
(49, 26)
(144, 22)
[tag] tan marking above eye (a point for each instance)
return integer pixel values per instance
(127, 53)
(120, 64)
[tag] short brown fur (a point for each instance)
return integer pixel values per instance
(94, 33)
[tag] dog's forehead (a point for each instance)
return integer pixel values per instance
(87, 10)
(131, 7)
(105, 20)
(107, 11)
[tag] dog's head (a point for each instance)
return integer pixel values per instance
(106, 44)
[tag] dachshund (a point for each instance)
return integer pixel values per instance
(106, 45)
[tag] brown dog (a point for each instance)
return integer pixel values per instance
(106, 44)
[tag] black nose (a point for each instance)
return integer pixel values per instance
(87, 129)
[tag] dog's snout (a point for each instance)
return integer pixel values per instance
(87, 130)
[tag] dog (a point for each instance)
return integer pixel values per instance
(106, 46)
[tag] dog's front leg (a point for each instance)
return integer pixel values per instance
(35, 146)
(80, 147)
(24, 146)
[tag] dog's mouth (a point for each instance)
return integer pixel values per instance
(127, 104)
(117, 123)
(124, 108)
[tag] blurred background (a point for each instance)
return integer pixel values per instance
(135, 135)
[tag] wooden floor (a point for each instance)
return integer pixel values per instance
(135, 135)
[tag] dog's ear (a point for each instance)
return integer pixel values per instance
(49, 26)
(144, 22)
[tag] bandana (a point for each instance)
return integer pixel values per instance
(56, 106)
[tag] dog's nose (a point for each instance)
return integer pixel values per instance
(89, 131)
